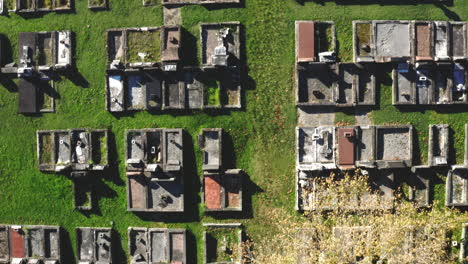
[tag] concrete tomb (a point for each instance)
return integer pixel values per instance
(315, 41)
(76, 149)
(36, 6)
(144, 47)
(155, 175)
(456, 188)
(419, 185)
(94, 245)
(428, 83)
(222, 243)
(340, 85)
(220, 44)
(439, 147)
(403, 41)
(222, 188)
(157, 245)
(30, 244)
(367, 146)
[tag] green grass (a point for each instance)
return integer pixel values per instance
(144, 42)
(262, 134)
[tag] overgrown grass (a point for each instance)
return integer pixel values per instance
(262, 133)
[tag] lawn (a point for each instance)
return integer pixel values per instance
(262, 133)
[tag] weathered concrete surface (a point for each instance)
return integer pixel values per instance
(363, 116)
(172, 16)
(393, 39)
(317, 116)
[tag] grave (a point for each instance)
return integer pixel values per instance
(419, 185)
(222, 243)
(155, 176)
(315, 41)
(94, 245)
(157, 245)
(144, 47)
(75, 149)
(220, 44)
(439, 145)
(30, 244)
(456, 188)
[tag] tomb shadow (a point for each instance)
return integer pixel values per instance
(220, 6)
(118, 253)
(112, 173)
(191, 251)
(189, 56)
(66, 247)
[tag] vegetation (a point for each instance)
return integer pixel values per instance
(405, 235)
(263, 142)
(144, 46)
(97, 3)
(212, 90)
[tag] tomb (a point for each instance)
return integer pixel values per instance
(456, 188)
(210, 141)
(466, 145)
(144, 47)
(313, 194)
(419, 185)
(369, 146)
(43, 51)
(315, 41)
(30, 244)
(189, 89)
(315, 148)
(155, 170)
(75, 149)
(132, 90)
(157, 245)
(36, 96)
(98, 4)
(409, 41)
(94, 245)
(222, 243)
(423, 44)
(222, 188)
(346, 139)
(316, 84)
(220, 44)
(438, 145)
(464, 243)
(394, 146)
(199, 2)
(459, 48)
(340, 85)
(36, 6)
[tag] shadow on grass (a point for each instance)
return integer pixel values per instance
(118, 253)
(381, 2)
(66, 247)
(192, 251)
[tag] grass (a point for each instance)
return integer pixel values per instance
(262, 134)
(212, 92)
(144, 42)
